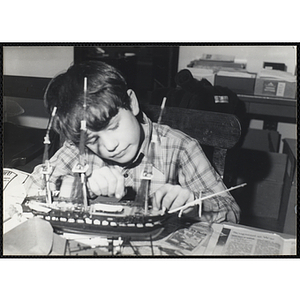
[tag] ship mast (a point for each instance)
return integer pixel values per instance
(47, 169)
(142, 197)
(82, 167)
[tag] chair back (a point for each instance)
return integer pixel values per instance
(219, 130)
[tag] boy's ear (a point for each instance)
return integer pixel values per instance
(134, 103)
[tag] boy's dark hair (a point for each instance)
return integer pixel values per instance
(106, 93)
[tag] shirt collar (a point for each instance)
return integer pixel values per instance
(147, 127)
(151, 134)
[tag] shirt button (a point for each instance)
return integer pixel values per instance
(125, 175)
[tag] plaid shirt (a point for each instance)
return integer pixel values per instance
(178, 159)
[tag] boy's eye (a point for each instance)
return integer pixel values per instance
(114, 126)
(92, 140)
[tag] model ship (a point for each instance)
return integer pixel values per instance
(132, 218)
(103, 215)
(110, 220)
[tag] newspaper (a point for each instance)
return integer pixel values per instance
(13, 195)
(13, 177)
(232, 240)
(184, 241)
(192, 240)
(203, 239)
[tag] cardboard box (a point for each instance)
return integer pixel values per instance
(264, 174)
(266, 202)
(262, 140)
(288, 208)
(260, 166)
(290, 222)
(275, 88)
(239, 85)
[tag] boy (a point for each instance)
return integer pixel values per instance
(118, 138)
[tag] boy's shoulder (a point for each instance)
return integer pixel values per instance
(172, 134)
(67, 150)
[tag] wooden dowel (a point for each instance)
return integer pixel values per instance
(198, 201)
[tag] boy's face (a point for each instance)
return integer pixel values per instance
(119, 141)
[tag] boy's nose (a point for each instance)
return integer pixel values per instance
(109, 143)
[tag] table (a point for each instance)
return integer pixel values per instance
(24, 234)
(34, 237)
(270, 109)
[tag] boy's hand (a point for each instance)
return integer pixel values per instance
(172, 196)
(107, 182)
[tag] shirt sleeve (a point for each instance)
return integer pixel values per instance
(197, 174)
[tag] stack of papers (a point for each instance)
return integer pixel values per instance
(239, 73)
(277, 75)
